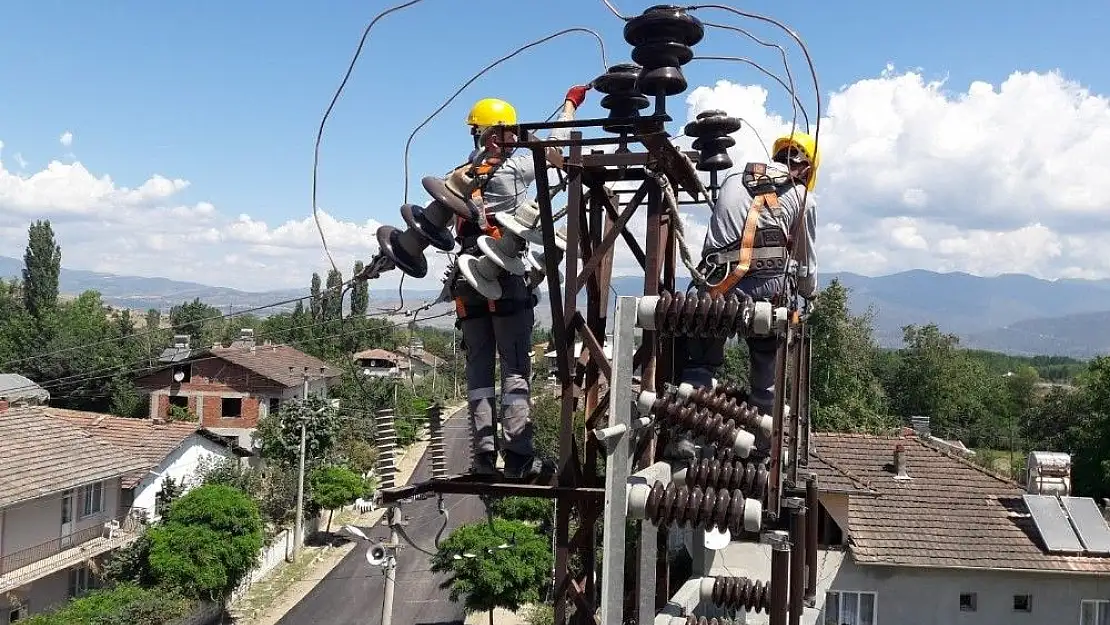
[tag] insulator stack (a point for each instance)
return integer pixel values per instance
(702, 508)
(436, 451)
(426, 226)
(749, 477)
(385, 439)
(720, 403)
(732, 391)
(705, 315)
(622, 99)
(661, 38)
(701, 620)
(714, 427)
(711, 130)
(739, 593)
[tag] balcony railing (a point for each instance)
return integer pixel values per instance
(108, 529)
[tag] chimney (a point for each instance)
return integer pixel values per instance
(3, 405)
(921, 426)
(181, 341)
(246, 335)
(900, 462)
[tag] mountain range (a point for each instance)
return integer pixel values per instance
(1011, 313)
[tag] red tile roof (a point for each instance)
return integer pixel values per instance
(274, 362)
(42, 455)
(953, 513)
(144, 439)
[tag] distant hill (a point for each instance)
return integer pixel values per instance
(1011, 313)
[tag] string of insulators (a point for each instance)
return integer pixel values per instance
(699, 508)
(704, 315)
(713, 427)
(436, 449)
(661, 38)
(385, 439)
(741, 592)
(622, 99)
(701, 620)
(712, 130)
(720, 403)
(749, 477)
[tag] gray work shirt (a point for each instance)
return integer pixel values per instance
(726, 225)
(508, 186)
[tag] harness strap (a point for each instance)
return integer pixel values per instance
(747, 242)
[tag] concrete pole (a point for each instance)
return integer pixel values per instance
(298, 522)
(391, 567)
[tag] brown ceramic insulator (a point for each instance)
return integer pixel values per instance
(720, 403)
(750, 478)
(704, 315)
(741, 592)
(695, 507)
(732, 391)
(701, 422)
(701, 620)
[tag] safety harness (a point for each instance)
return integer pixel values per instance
(765, 243)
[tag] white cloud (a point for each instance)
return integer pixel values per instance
(993, 179)
(66, 139)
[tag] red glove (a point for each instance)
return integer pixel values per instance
(577, 95)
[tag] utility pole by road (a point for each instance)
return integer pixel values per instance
(298, 526)
(391, 566)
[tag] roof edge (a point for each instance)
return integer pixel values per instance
(954, 567)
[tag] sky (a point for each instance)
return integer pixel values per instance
(176, 139)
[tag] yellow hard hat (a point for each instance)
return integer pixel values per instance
(491, 112)
(808, 146)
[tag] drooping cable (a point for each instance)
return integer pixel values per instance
(480, 73)
(740, 59)
(614, 11)
(327, 113)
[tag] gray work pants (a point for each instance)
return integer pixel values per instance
(706, 355)
(509, 338)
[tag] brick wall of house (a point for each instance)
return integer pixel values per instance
(214, 378)
(213, 413)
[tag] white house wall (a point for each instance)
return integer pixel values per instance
(38, 596)
(913, 596)
(181, 465)
(40, 520)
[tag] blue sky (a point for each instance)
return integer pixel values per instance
(228, 95)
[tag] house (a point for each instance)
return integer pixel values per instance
(174, 450)
(20, 391)
(927, 537)
(380, 363)
(421, 362)
(59, 509)
(228, 389)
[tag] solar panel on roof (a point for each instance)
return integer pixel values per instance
(1053, 524)
(1092, 528)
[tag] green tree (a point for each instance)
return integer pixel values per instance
(538, 510)
(512, 564)
(203, 323)
(333, 298)
(360, 294)
(123, 604)
(42, 266)
(208, 541)
(737, 365)
(316, 303)
(336, 486)
(845, 394)
(280, 434)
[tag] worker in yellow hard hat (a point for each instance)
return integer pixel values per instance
(501, 329)
(760, 241)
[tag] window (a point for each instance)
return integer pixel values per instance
(275, 406)
(849, 607)
(231, 407)
(92, 499)
(17, 614)
(967, 602)
(1094, 612)
(1023, 603)
(80, 580)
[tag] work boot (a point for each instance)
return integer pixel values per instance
(518, 466)
(484, 463)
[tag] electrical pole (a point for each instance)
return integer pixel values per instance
(391, 566)
(298, 527)
(454, 364)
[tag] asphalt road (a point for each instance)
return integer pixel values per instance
(352, 593)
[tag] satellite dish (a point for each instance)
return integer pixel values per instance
(716, 540)
(376, 555)
(178, 376)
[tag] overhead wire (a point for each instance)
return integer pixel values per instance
(327, 113)
(614, 10)
(740, 59)
(480, 73)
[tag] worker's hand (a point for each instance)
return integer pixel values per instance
(576, 95)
